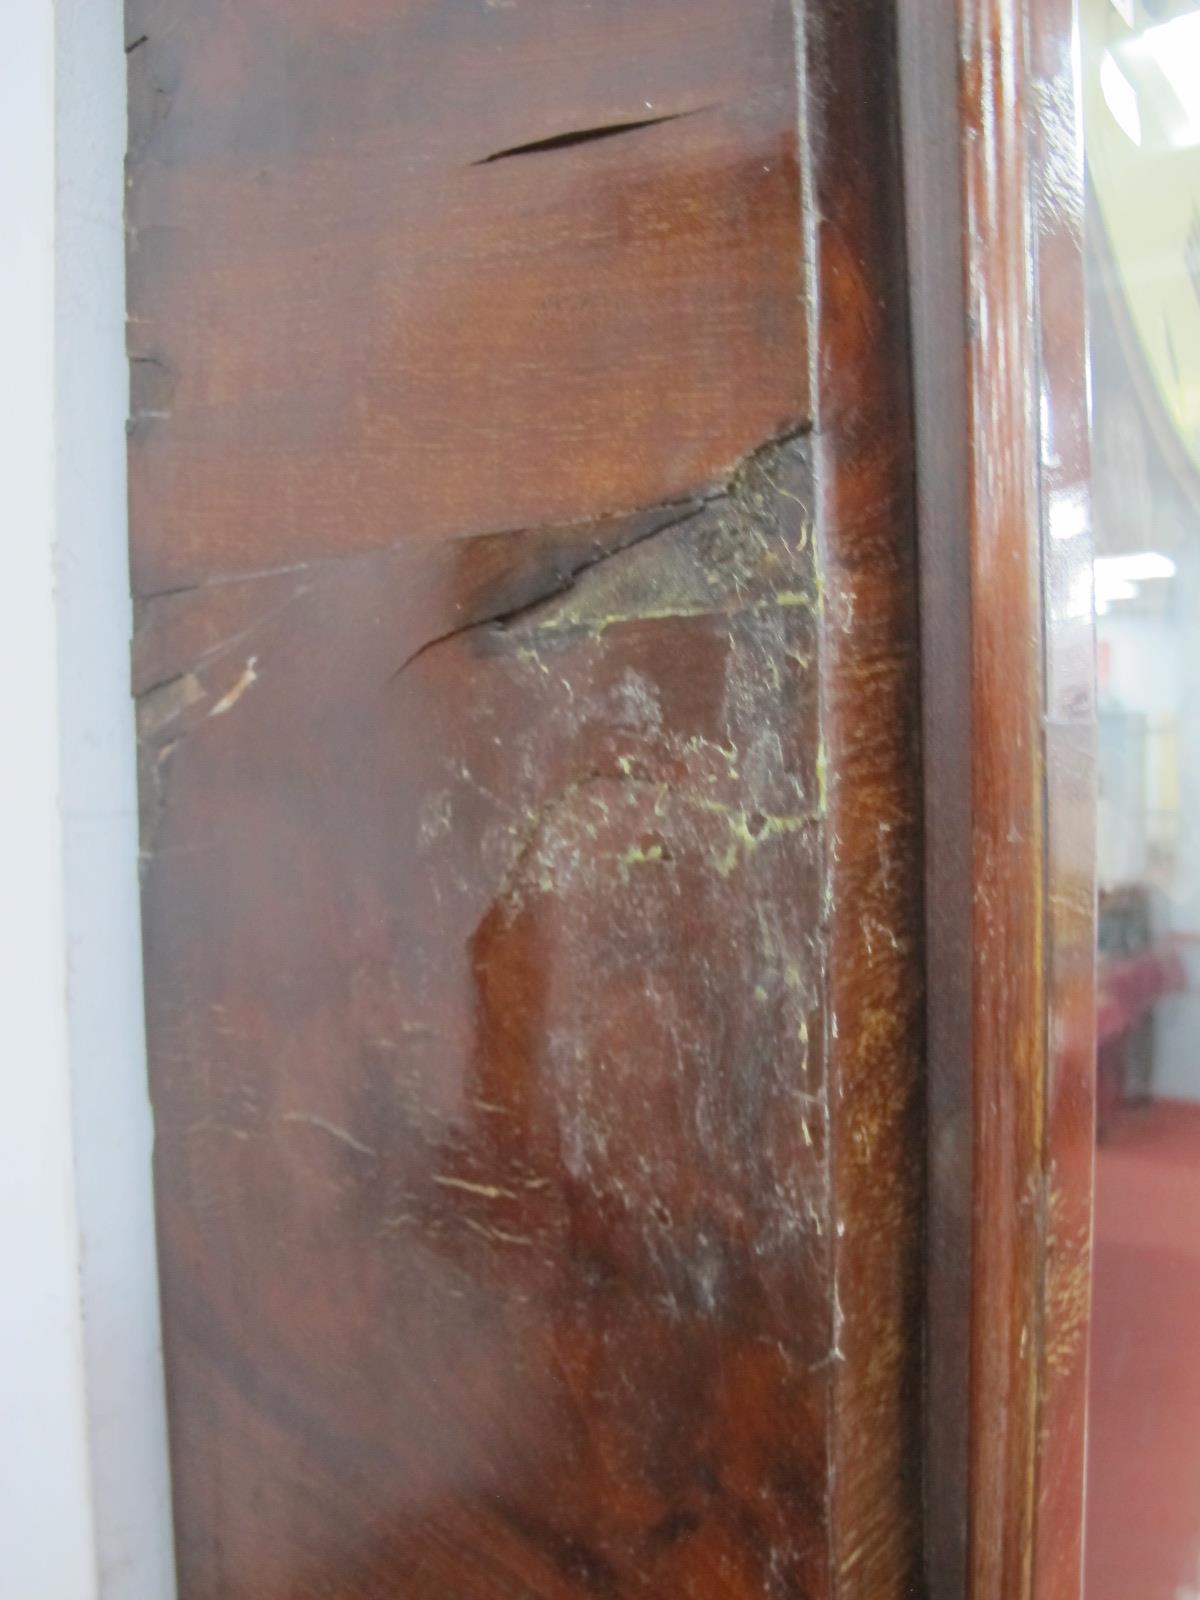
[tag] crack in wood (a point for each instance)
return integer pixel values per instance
(581, 136)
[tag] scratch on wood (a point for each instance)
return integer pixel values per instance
(311, 1120)
(228, 701)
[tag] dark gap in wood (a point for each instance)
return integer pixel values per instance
(939, 322)
(577, 136)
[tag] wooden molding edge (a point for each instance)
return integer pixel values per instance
(993, 172)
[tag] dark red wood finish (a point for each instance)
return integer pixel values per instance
(864, 471)
(993, 170)
(522, 520)
(354, 328)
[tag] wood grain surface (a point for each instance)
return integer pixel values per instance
(523, 538)
(864, 470)
(353, 327)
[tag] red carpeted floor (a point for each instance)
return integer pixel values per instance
(1143, 1520)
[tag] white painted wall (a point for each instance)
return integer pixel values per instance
(84, 1505)
(45, 1502)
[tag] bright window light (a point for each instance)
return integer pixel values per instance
(1110, 589)
(1121, 98)
(1175, 47)
(1118, 577)
(1139, 566)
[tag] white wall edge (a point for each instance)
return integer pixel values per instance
(84, 1490)
(46, 1524)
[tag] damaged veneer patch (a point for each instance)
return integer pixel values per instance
(500, 989)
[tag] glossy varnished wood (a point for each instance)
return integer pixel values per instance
(522, 523)
(993, 163)
(863, 458)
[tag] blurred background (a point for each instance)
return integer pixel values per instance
(1141, 77)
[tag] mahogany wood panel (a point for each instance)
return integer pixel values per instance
(863, 459)
(354, 326)
(523, 537)
(993, 167)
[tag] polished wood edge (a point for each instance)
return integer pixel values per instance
(987, 90)
(866, 529)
